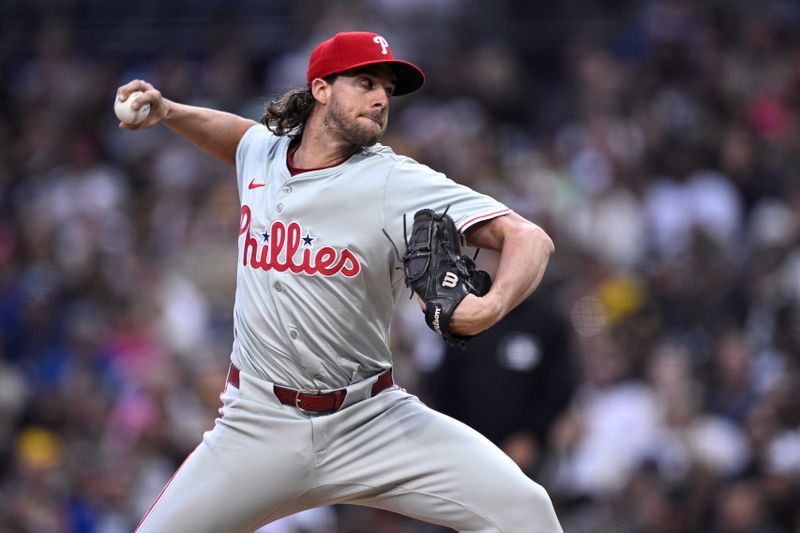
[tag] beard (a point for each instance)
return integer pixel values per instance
(351, 130)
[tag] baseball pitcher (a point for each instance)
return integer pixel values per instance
(333, 229)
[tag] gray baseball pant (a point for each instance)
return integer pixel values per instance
(264, 460)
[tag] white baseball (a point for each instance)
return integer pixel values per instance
(126, 113)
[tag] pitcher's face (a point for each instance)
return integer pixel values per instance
(359, 105)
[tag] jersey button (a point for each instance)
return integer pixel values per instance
(278, 286)
(293, 334)
(287, 189)
(279, 208)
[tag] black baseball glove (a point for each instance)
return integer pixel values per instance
(438, 273)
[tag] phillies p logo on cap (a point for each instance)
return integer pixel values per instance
(381, 41)
(349, 50)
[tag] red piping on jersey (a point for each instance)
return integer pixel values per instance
(479, 218)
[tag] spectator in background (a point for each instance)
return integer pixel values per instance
(612, 424)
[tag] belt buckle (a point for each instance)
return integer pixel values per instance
(306, 392)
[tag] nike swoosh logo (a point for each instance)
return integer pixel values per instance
(254, 185)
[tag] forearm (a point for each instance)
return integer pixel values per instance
(216, 133)
(523, 260)
(524, 252)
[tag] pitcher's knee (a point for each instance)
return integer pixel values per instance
(530, 510)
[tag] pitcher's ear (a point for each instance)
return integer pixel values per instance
(321, 90)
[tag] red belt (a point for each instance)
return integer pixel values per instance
(315, 402)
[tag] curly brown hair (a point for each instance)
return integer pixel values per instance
(287, 114)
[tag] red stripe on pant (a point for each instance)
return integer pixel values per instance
(164, 490)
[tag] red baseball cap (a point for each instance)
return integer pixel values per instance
(348, 50)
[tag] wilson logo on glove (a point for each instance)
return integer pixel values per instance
(435, 324)
(450, 280)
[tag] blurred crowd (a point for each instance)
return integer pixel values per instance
(650, 384)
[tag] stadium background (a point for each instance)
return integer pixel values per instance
(658, 142)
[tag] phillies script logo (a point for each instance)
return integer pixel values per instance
(278, 251)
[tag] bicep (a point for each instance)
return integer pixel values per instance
(491, 234)
(216, 133)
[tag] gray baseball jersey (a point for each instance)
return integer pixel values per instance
(317, 277)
